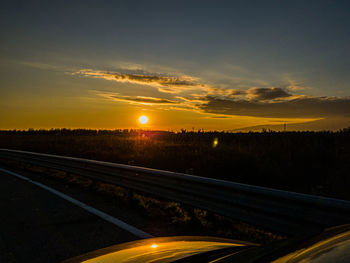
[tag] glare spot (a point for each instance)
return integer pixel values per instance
(215, 142)
(143, 119)
(154, 246)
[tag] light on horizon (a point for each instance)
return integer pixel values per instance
(215, 142)
(143, 119)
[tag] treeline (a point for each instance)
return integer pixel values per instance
(309, 162)
(65, 131)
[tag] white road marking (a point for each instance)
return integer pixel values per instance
(119, 223)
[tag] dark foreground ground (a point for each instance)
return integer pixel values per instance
(37, 226)
(309, 162)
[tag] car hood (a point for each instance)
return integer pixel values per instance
(163, 249)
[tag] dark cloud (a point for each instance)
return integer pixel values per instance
(235, 92)
(267, 93)
(140, 99)
(306, 107)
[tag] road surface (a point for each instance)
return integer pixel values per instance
(36, 225)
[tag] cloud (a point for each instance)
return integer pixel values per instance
(295, 85)
(172, 84)
(267, 93)
(164, 83)
(296, 88)
(257, 94)
(193, 99)
(225, 92)
(142, 99)
(153, 79)
(196, 95)
(305, 107)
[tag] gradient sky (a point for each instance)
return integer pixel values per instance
(213, 65)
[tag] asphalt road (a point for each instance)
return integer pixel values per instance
(38, 226)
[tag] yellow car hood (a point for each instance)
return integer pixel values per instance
(156, 250)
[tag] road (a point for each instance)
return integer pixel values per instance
(39, 226)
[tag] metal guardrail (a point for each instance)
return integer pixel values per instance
(281, 211)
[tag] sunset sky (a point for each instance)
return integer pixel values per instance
(212, 65)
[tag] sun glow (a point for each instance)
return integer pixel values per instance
(154, 246)
(143, 119)
(215, 142)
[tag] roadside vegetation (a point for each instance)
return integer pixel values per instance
(308, 162)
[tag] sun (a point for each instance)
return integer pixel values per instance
(143, 119)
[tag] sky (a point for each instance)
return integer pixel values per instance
(212, 65)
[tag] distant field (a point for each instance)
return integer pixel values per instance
(309, 162)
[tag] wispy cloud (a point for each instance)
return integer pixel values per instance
(295, 85)
(147, 100)
(139, 99)
(166, 84)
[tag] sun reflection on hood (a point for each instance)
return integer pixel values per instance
(158, 250)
